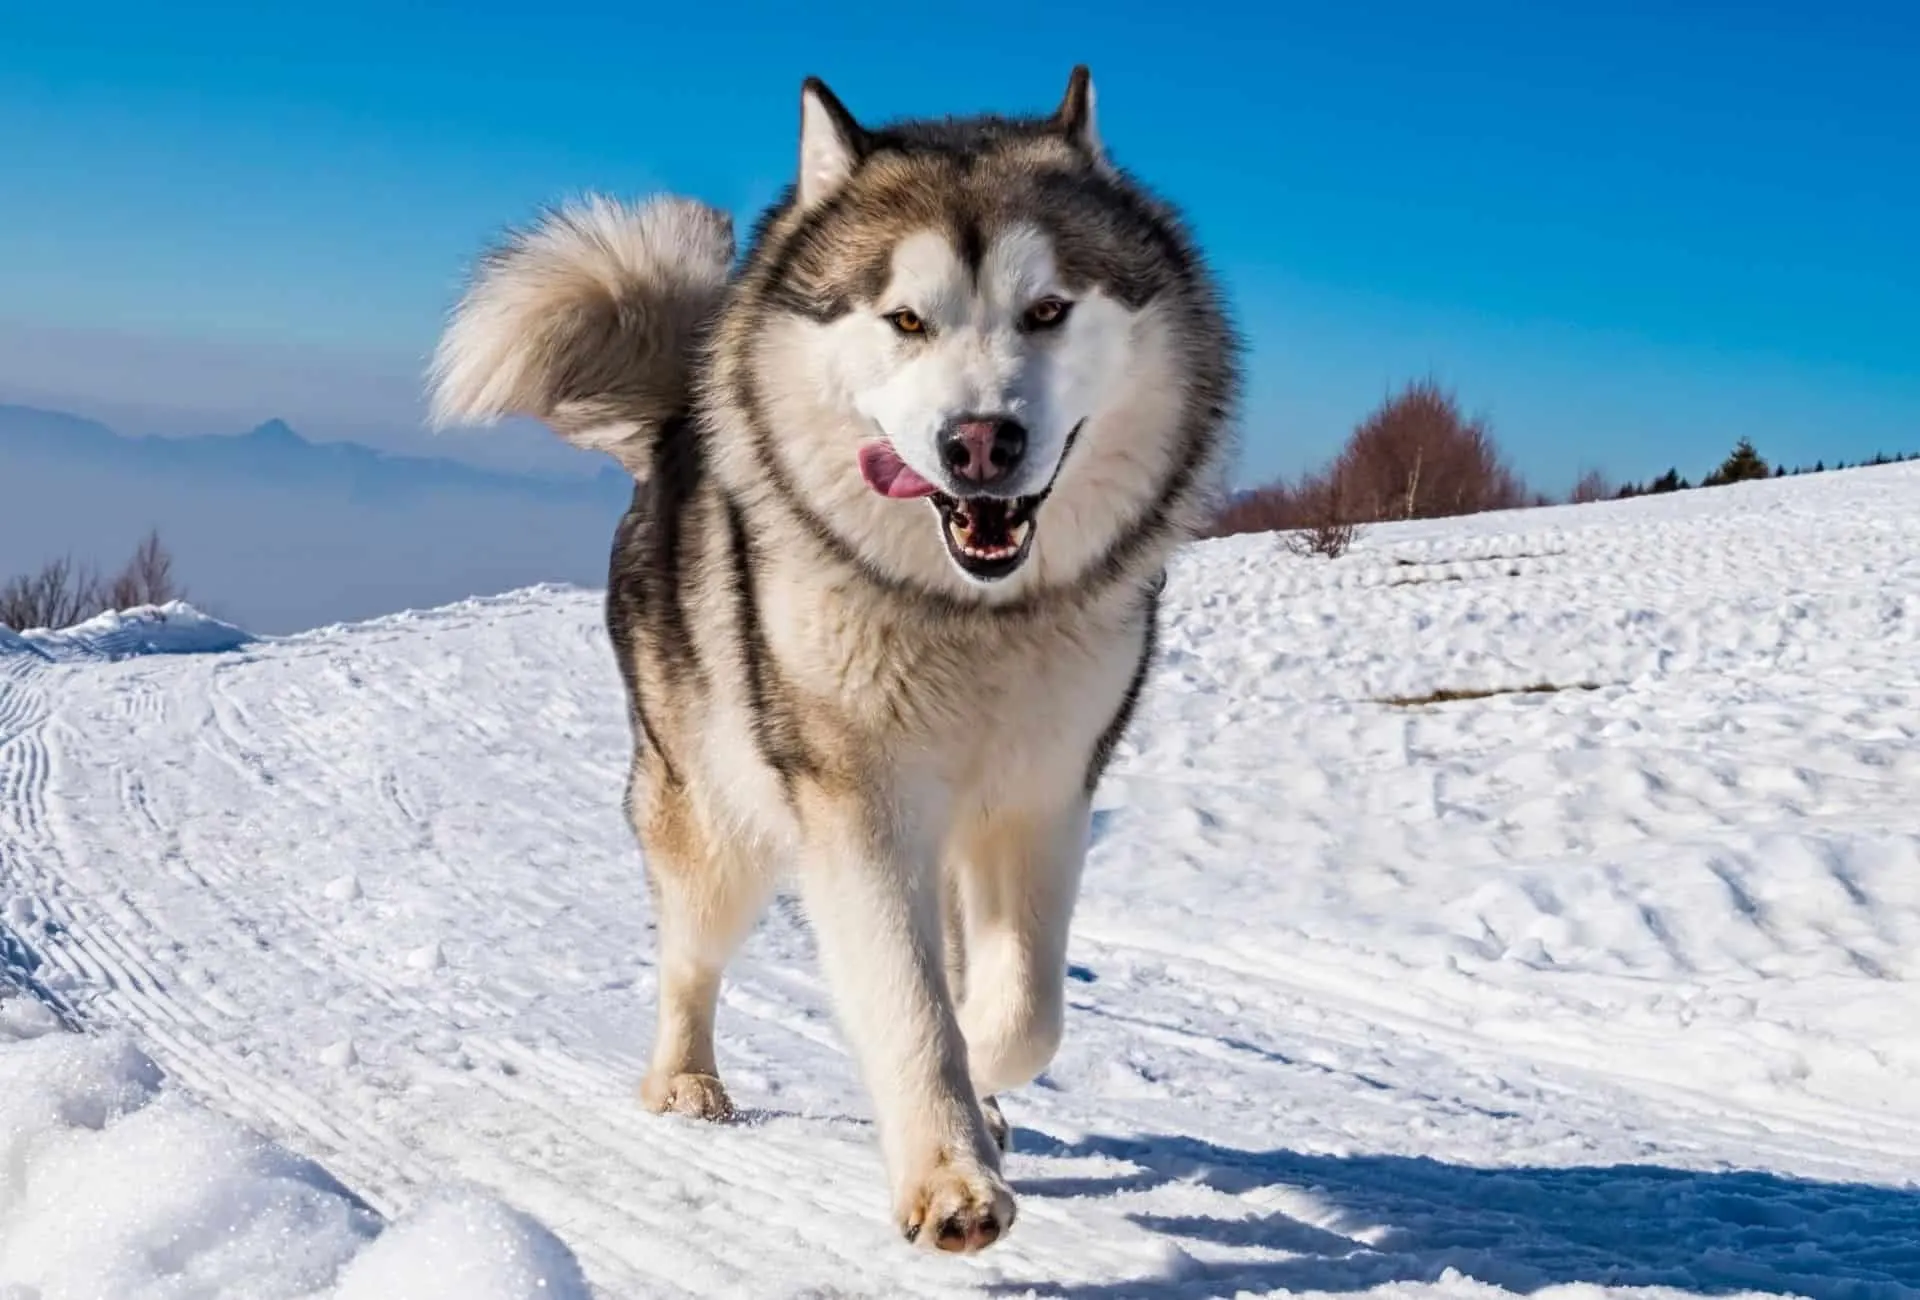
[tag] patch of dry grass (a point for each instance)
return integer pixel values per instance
(1447, 695)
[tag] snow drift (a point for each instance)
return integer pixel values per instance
(115, 1186)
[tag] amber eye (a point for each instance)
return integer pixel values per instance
(1047, 313)
(907, 322)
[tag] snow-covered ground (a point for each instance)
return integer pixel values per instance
(1611, 986)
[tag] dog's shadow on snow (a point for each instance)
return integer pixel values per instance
(1520, 1228)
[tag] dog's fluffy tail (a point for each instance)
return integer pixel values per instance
(590, 321)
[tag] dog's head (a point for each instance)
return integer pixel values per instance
(975, 357)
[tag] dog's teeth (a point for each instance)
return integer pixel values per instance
(961, 531)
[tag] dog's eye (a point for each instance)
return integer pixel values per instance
(907, 322)
(1047, 314)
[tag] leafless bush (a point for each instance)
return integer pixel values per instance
(147, 579)
(1418, 457)
(1325, 526)
(1592, 486)
(60, 595)
(63, 592)
(1268, 509)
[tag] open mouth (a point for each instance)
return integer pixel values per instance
(988, 537)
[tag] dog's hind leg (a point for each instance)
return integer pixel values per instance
(873, 894)
(1016, 873)
(706, 897)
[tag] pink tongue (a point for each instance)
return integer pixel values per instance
(887, 474)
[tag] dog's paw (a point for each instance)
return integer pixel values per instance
(958, 1208)
(997, 1127)
(698, 1096)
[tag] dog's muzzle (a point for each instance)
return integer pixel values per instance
(987, 537)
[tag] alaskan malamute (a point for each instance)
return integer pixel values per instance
(907, 480)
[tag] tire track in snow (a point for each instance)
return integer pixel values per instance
(583, 1153)
(30, 896)
(23, 757)
(1441, 1027)
(99, 951)
(119, 985)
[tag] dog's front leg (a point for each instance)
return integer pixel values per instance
(873, 894)
(1017, 877)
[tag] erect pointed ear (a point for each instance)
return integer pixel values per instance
(1075, 116)
(831, 143)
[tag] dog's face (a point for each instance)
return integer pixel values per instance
(975, 369)
(973, 339)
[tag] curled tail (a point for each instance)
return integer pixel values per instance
(590, 321)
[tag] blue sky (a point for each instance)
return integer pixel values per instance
(1627, 233)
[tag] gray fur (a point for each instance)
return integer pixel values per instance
(813, 686)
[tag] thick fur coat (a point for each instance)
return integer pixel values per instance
(907, 478)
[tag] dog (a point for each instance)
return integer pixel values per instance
(908, 474)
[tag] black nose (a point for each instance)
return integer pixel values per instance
(982, 449)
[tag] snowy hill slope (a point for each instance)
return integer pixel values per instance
(1615, 985)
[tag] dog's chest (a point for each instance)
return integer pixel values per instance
(1000, 684)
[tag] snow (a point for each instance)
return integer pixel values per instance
(1561, 993)
(465, 1247)
(114, 1186)
(173, 628)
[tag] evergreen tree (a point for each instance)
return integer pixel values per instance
(1743, 464)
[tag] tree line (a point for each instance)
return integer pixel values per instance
(1419, 456)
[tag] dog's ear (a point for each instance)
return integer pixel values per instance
(1075, 117)
(831, 144)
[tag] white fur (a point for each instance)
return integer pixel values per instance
(1004, 823)
(978, 801)
(588, 321)
(1001, 823)
(826, 157)
(974, 358)
(975, 798)
(1115, 373)
(1090, 132)
(938, 816)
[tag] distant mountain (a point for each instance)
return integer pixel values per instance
(278, 534)
(273, 452)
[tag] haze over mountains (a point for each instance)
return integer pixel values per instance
(280, 534)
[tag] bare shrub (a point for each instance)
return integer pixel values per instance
(1592, 486)
(148, 578)
(63, 592)
(1311, 517)
(1418, 457)
(1326, 527)
(1267, 509)
(60, 595)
